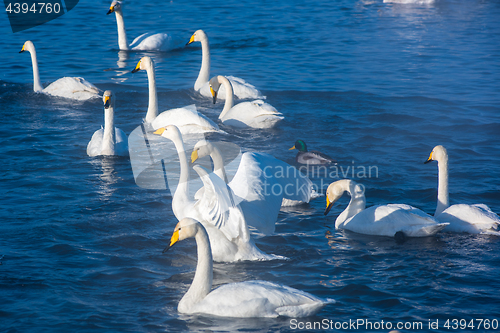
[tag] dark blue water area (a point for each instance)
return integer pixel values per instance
(374, 85)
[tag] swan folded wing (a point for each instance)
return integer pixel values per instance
(259, 299)
(243, 89)
(121, 146)
(261, 183)
(72, 87)
(152, 42)
(470, 218)
(187, 119)
(217, 206)
(387, 220)
(95, 144)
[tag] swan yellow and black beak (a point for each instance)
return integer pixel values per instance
(429, 159)
(107, 102)
(194, 155)
(173, 240)
(292, 148)
(214, 94)
(329, 205)
(159, 131)
(111, 10)
(190, 40)
(22, 50)
(137, 68)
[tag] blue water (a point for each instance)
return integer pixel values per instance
(369, 83)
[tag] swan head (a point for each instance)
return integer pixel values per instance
(28, 46)
(108, 99)
(300, 146)
(116, 6)
(198, 36)
(170, 132)
(143, 64)
(439, 153)
(214, 85)
(201, 149)
(186, 228)
(336, 189)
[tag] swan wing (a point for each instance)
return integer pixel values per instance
(470, 218)
(72, 87)
(154, 42)
(261, 183)
(255, 114)
(187, 119)
(95, 144)
(387, 220)
(217, 206)
(259, 299)
(121, 145)
(243, 89)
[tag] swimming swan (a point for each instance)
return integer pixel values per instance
(69, 87)
(260, 184)
(242, 89)
(384, 220)
(313, 157)
(241, 299)
(187, 119)
(110, 140)
(145, 42)
(255, 114)
(222, 218)
(473, 219)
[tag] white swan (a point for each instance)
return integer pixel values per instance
(222, 218)
(241, 88)
(384, 220)
(260, 184)
(255, 114)
(145, 42)
(187, 119)
(109, 140)
(69, 87)
(473, 219)
(242, 299)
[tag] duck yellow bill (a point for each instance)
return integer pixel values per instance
(173, 240)
(137, 68)
(429, 159)
(159, 131)
(329, 205)
(292, 148)
(194, 156)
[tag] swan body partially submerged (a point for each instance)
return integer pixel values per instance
(249, 299)
(187, 119)
(383, 220)
(474, 219)
(255, 114)
(109, 140)
(68, 87)
(241, 88)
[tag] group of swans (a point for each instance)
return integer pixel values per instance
(407, 221)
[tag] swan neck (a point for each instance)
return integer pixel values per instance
(122, 34)
(153, 96)
(181, 195)
(443, 194)
(202, 281)
(108, 138)
(229, 97)
(356, 205)
(218, 161)
(37, 84)
(204, 74)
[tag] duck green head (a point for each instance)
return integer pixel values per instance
(300, 146)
